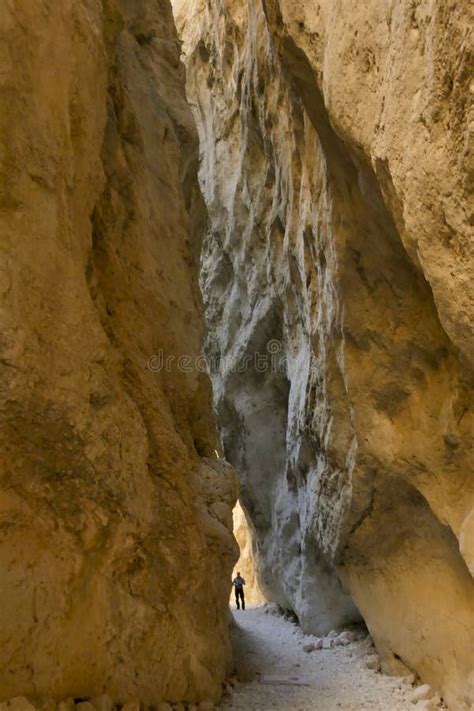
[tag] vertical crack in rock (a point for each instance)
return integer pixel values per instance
(334, 169)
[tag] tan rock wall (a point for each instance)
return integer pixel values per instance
(397, 83)
(247, 565)
(334, 142)
(110, 539)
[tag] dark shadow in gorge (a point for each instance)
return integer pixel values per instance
(383, 359)
(392, 539)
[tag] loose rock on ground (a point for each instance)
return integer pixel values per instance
(280, 668)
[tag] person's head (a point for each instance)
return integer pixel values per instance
(238, 575)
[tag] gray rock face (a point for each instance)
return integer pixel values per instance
(268, 300)
(344, 382)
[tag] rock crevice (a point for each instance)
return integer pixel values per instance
(334, 166)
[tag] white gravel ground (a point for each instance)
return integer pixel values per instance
(275, 673)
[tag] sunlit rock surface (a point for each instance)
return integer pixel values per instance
(116, 548)
(334, 165)
(247, 566)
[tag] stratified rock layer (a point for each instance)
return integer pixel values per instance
(337, 276)
(115, 515)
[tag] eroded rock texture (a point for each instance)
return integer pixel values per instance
(247, 565)
(115, 513)
(334, 146)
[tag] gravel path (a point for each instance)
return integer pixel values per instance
(275, 673)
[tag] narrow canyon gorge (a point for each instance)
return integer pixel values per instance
(236, 312)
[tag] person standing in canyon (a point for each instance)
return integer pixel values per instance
(238, 584)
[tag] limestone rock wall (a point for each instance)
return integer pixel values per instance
(337, 276)
(247, 565)
(115, 515)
